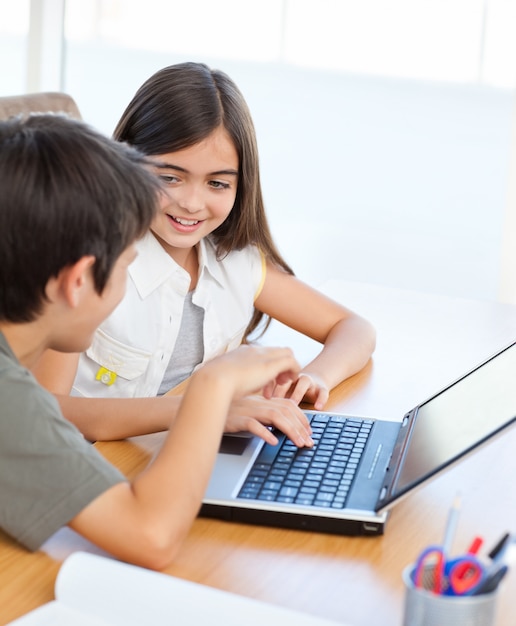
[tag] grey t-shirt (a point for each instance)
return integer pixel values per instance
(189, 346)
(48, 471)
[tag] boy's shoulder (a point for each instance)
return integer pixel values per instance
(19, 388)
(9, 364)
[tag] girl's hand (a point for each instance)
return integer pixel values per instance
(308, 387)
(254, 413)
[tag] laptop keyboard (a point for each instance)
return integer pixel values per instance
(319, 476)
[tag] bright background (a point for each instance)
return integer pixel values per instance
(385, 127)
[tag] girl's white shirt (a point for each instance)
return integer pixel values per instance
(131, 349)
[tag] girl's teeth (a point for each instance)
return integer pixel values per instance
(186, 222)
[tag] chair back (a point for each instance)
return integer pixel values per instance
(44, 102)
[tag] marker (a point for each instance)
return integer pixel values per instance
(475, 546)
(498, 550)
(464, 569)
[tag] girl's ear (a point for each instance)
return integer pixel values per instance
(75, 279)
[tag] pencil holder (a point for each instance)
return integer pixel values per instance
(426, 608)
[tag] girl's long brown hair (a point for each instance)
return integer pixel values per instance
(180, 106)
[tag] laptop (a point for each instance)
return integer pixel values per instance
(359, 467)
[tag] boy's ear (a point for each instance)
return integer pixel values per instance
(75, 278)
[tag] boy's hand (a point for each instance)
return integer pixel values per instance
(254, 413)
(254, 368)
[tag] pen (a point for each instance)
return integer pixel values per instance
(492, 580)
(498, 550)
(451, 525)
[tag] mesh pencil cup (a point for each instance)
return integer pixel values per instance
(426, 608)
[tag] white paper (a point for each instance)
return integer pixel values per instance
(107, 592)
(57, 614)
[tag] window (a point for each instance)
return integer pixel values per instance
(13, 46)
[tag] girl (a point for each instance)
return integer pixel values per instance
(208, 274)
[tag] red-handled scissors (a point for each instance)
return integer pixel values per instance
(461, 575)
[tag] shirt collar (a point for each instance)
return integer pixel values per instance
(153, 266)
(208, 263)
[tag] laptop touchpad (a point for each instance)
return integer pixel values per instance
(235, 443)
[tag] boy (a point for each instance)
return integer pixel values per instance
(72, 204)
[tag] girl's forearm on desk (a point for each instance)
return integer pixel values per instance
(105, 419)
(347, 349)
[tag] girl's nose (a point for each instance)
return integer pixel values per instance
(190, 199)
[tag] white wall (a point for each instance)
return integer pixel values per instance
(391, 180)
(388, 181)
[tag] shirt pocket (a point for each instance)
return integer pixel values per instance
(111, 367)
(126, 361)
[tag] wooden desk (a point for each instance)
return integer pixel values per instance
(424, 342)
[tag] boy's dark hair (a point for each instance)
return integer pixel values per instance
(66, 192)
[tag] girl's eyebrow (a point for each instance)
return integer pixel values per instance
(170, 166)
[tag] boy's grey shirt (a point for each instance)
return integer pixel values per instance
(48, 471)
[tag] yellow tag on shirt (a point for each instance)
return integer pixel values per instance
(107, 377)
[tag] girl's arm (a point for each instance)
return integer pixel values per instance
(56, 371)
(145, 521)
(348, 339)
(102, 419)
(106, 419)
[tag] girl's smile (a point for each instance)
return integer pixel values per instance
(200, 186)
(184, 225)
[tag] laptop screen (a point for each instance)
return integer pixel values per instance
(458, 419)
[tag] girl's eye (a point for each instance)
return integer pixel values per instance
(168, 179)
(218, 184)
